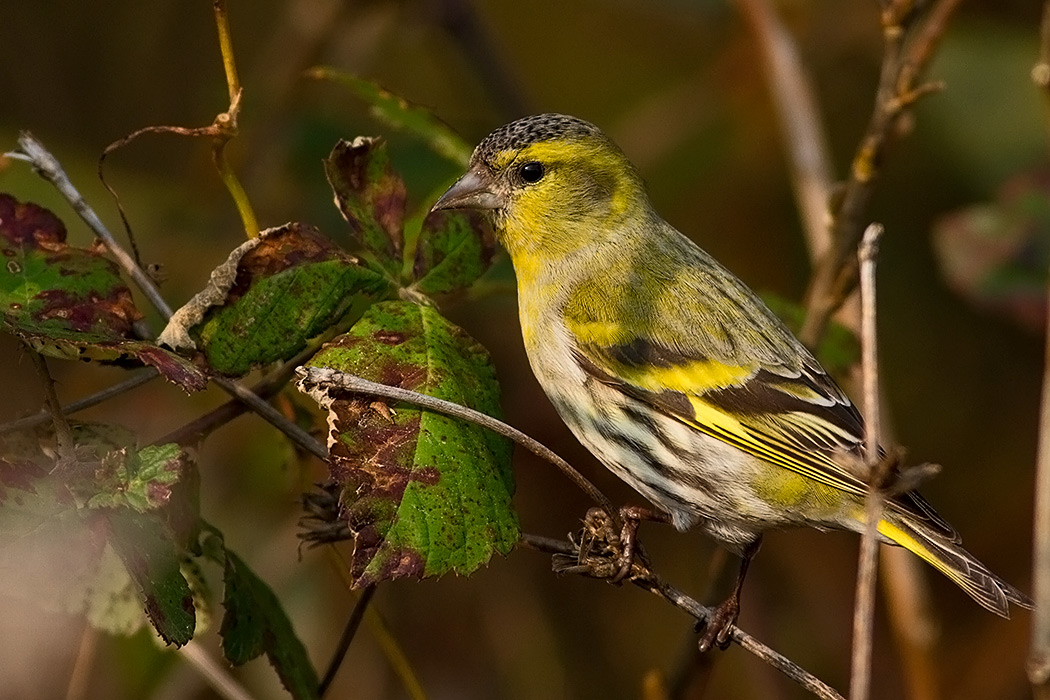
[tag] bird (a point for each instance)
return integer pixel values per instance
(671, 371)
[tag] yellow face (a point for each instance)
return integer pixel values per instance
(554, 195)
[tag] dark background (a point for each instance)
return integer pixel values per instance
(679, 85)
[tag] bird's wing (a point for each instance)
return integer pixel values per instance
(795, 418)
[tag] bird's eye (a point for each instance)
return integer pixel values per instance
(532, 171)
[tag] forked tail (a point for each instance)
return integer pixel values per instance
(953, 561)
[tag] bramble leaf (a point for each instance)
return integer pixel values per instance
(371, 197)
(254, 623)
(271, 295)
(423, 493)
(69, 302)
(401, 114)
(453, 250)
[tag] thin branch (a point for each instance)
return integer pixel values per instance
(800, 125)
(80, 677)
(142, 376)
(274, 417)
(395, 656)
(49, 167)
(216, 675)
(265, 388)
(911, 33)
(349, 631)
(334, 378)
(867, 567)
(1039, 651)
(649, 581)
(63, 433)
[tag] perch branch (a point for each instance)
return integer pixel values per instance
(348, 382)
(649, 581)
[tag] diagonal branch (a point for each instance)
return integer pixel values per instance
(649, 581)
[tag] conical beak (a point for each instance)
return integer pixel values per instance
(475, 190)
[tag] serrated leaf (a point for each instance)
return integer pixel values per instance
(401, 114)
(69, 302)
(148, 550)
(453, 250)
(254, 623)
(371, 197)
(272, 295)
(141, 480)
(424, 494)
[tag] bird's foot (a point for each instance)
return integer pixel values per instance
(718, 629)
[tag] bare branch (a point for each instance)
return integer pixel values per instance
(911, 33)
(349, 631)
(649, 581)
(867, 568)
(49, 167)
(800, 125)
(335, 378)
(63, 433)
(138, 379)
(1039, 651)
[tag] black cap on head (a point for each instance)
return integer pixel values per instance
(529, 130)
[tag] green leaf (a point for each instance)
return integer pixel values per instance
(148, 550)
(139, 480)
(68, 302)
(371, 197)
(423, 493)
(271, 296)
(255, 623)
(453, 250)
(401, 114)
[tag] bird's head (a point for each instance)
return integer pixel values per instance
(551, 184)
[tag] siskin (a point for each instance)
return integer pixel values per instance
(670, 370)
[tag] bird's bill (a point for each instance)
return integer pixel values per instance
(475, 190)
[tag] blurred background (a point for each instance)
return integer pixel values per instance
(679, 85)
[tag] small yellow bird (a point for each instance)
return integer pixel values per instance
(669, 369)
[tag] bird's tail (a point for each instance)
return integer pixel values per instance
(953, 561)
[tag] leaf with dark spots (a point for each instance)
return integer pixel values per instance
(453, 250)
(423, 493)
(70, 302)
(141, 480)
(270, 297)
(254, 623)
(148, 551)
(371, 197)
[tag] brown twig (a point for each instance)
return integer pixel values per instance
(144, 375)
(867, 567)
(1039, 651)
(63, 433)
(647, 580)
(48, 166)
(801, 130)
(910, 34)
(349, 631)
(333, 378)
